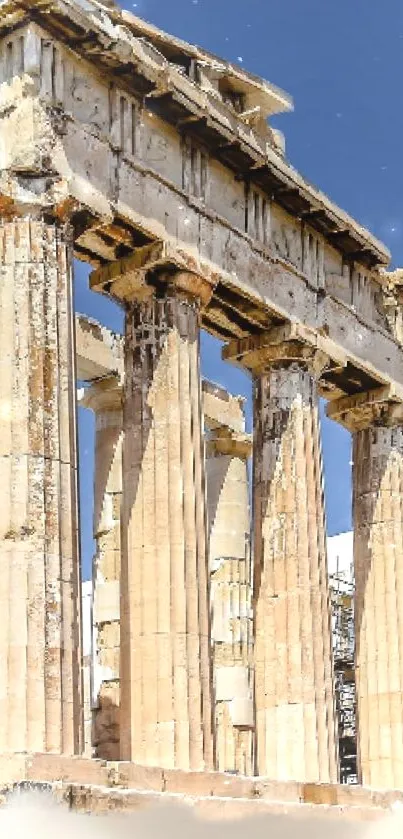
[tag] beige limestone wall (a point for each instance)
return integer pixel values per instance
(166, 717)
(40, 674)
(231, 631)
(378, 541)
(295, 714)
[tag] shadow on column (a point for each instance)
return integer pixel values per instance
(166, 714)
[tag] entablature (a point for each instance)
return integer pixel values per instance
(381, 407)
(105, 39)
(83, 139)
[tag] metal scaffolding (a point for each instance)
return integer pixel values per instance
(341, 593)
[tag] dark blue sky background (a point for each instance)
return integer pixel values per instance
(343, 64)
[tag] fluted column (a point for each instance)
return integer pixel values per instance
(105, 399)
(40, 682)
(166, 710)
(229, 531)
(377, 426)
(87, 668)
(294, 692)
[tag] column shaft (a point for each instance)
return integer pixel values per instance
(40, 682)
(295, 713)
(231, 631)
(378, 546)
(165, 647)
(87, 667)
(105, 399)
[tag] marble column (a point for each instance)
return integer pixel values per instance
(294, 691)
(40, 672)
(87, 668)
(165, 665)
(105, 399)
(231, 632)
(377, 430)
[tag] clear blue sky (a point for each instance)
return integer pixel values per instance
(343, 64)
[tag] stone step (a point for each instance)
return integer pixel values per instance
(96, 786)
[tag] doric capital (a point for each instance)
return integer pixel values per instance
(382, 406)
(103, 396)
(281, 346)
(149, 269)
(392, 280)
(224, 441)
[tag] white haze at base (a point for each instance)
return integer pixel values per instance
(37, 816)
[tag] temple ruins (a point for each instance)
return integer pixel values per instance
(156, 163)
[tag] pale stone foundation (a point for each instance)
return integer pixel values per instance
(96, 787)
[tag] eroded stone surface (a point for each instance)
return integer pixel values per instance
(375, 420)
(88, 136)
(105, 399)
(40, 681)
(130, 178)
(378, 527)
(294, 691)
(228, 448)
(95, 787)
(295, 714)
(165, 639)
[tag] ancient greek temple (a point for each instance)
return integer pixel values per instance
(156, 163)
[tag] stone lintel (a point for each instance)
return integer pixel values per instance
(227, 442)
(285, 344)
(382, 406)
(221, 409)
(135, 277)
(99, 351)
